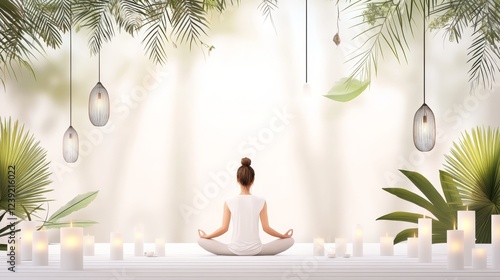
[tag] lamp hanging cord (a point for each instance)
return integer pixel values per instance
(70, 79)
(306, 41)
(424, 46)
(99, 66)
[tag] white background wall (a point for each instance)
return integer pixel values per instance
(177, 130)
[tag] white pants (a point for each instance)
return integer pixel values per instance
(272, 248)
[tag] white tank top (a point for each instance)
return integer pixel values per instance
(245, 214)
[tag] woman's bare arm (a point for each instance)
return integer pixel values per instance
(269, 230)
(226, 218)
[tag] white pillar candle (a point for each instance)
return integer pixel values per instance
(425, 239)
(479, 258)
(138, 242)
(467, 223)
(71, 248)
(318, 247)
(88, 245)
(27, 229)
(386, 246)
(495, 240)
(40, 250)
(412, 248)
(455, 241)
(340, 247)
(116, 246)
(357, 241)
(160, 247)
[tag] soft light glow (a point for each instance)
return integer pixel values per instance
(72, 241)
(99, 107)
(28, 236)
(70, 145)
(117, 241)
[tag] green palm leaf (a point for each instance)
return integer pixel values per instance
(97, 18)
(157, 31)
(431, 193)
(386, 23)
(444, 212)
(77, 203)
(189, 20)
(474, 164)
(27, 159)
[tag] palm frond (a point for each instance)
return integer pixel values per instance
(189, 20)
(445, 213)
(385, 25)
(267, 8)
(27, 162)
(474, 164)
(97, 19)
(128, 14)
(157, 31)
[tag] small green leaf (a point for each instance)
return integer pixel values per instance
(77, 203)
(404, 234)
(347, 89)
(401, 216)
(79, 223)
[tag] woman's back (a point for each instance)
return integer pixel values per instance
(245, 211)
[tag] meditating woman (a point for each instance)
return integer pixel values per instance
(245, 210)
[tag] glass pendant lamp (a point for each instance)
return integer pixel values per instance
(424, 123)
(99, 101)
(70, 139)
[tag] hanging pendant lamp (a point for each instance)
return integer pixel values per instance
(99, 101)
(70, 139)
(424, 123)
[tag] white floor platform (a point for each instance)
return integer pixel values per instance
(188, 261)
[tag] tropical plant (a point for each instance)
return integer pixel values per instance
(387, 26)
(444, 209)
(27, 26)
(474, 164)
(24, 174)
(25, 161)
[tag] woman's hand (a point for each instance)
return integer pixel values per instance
(288, 234)
(202, 234)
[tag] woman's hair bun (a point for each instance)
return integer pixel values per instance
(246, 161)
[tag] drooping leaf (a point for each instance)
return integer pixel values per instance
(77, 203)
(347, 89)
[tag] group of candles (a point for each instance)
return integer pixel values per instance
(461, 249)
(74, 245)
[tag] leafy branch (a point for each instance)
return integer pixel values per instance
(28, 26)
(385, 25)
